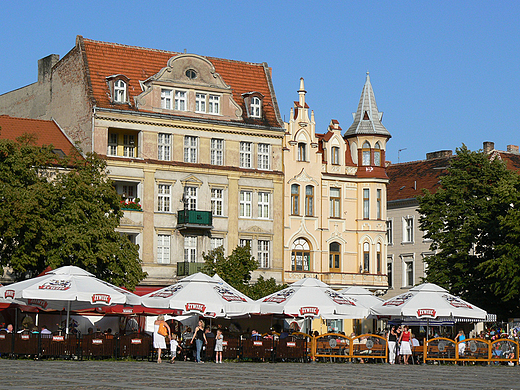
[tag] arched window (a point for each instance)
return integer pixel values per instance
(334, 256)
(378, 258)
(309, 201)
(295, 199)
(366, 257)
(120, 91)
(366, 153)
(377, 154)
(301, 255)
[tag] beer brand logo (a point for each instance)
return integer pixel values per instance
(211, 314)
(426, 312)
(456, 302)
(128, 310)
(55, 284)
(399, 300)
(338, 298)
(136, 341)
(103, 298)
(309, 310)
(58, 338)
(166, 292)
(9, 294)
(97, 341)
(38, 302)
(196, 306)
(280, 297)
(228, 295)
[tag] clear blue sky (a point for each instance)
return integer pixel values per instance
(444, 72)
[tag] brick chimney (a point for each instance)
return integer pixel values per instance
(438, 154)
(488, 147)
(512, 149)
(45, 65)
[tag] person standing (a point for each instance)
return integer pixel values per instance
(219, 346)
(159, 341)
(404, 339)
(174, 344)
(462, 345)
(392, 344)
(200, 339)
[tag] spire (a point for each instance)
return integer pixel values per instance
(367, 119)
(301, 93)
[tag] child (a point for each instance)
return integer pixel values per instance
(219, 346)
(173, 347)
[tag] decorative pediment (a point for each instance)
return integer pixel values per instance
(303, 177)
(191, 180)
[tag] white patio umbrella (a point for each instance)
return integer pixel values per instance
(311, 297)
(362, 297)
(203, 295)
(69, 288)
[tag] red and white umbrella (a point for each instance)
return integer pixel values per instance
(362, 297)
(311, 297)
(200, 294)
(69, 288)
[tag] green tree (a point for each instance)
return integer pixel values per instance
(62, 211)
(236, 270)
(473, 222)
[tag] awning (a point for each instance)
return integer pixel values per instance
(489, 318)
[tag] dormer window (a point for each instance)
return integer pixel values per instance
(166, 99)
(191, 74)
(366, 153)
(256, 107)
(335, 155)
(118, 87)
(120, 91)
(302, 151)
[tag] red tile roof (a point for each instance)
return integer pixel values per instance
(138, 64)
(45, 132)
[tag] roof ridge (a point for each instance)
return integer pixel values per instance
(25, 119)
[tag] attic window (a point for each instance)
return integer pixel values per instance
(253, 102)
(118, 87)
(366, 117)
(191, 74)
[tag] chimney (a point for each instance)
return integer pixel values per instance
(438, 154)
(512, 149)
(488, 147)
(45, 65)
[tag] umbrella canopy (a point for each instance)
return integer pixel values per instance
(311, 297)
(362, 297)
(203, 295)
(427, 301)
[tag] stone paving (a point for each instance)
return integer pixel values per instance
(98, 374)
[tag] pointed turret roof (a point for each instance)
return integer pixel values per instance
(367, 119)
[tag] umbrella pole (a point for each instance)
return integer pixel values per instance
(68, 319)
(427, 328)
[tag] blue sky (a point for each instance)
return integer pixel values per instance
(444, 72)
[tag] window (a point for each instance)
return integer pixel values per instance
(180, 100)
(200, 102)
(163, 249)
(214, 104)
(217, 151)
(216, 242)
(300, 255)
(366, 153)
(334, 256)
(164, 197)
(256, 107)
(263, 156)
(127, 190)
(408, 229)
(128, 145)
(190, 249)
(302, 148)
(166, 99)
(245, 204)
(389, 232)
(366, 203)
(408, 271)
(217, 201)
(335, 155)
(263, 205)
(378, 204)
(245, 242)
(295, 199)
(112, 144)
(377, 154)
(263, 254)
(366, 257)
(164, 146)
(309, 201)
(120, 91)
(378, 258)
(190, 197)
(245, 154)
(390, 271)
(190, 149)
(335, 202)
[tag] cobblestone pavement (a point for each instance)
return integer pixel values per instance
(28, 374)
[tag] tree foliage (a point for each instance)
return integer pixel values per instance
(61, 211)
(473, 222)
(236, 270)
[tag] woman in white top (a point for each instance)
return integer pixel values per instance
(159, 341)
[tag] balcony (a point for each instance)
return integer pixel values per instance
(194, 219)
(186, 268)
